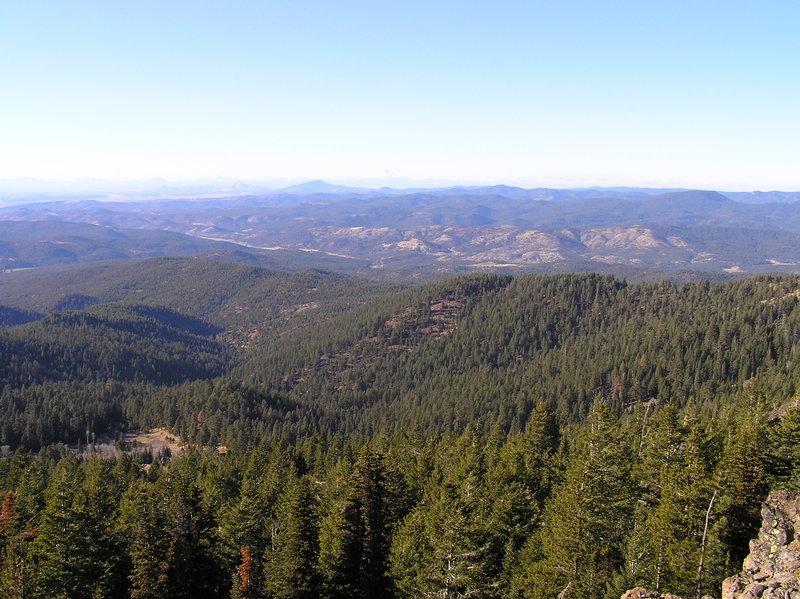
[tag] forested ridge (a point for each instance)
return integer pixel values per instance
(483, 349)
(10, 317)
(110, 342)
(483, 436)
(225, 294)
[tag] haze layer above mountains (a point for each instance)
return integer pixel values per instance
(423, 232)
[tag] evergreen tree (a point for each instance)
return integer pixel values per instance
(784, 449)
(585, 521)
(290, 560)
(148, 539)
(191, 566)
(444, 547)
(56, 549)
(98, 547)
(16, 574)
(354, 536)
(745, 489)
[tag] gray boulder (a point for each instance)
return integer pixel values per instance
(772, 570)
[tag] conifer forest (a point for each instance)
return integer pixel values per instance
(481, 436)
(399, 299)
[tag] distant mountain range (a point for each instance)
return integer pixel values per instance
(24, 190)
(443, 230)
(30, 244)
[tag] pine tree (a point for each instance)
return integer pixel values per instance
(784, 449)
(290, 560)
(55, 549)
(444, 548)
(192, 569)
(745, 489)
(148, 543)
(585, 521)
(247, 580)
(370, 486)
(16, 576)
(96, 506)
(340, 547)
(354, 536)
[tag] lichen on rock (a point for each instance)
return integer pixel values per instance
(642, 593)
(772, 570)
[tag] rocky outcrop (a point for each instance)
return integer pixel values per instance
(772, 570)
(642, 593)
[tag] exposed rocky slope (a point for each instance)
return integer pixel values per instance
(642, 593)
(772, 570)
(482, 246)
(698, 230)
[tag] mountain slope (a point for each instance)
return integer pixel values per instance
(10, 317)
(435, 232)
(226, 294)
(485, 348)
(110, 342)
(479, 349)
(29, 244)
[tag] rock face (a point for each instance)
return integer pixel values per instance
(772, 570)
(642, 593)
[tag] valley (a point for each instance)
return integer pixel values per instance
(403, 383)
(427, 233)
(399, 300)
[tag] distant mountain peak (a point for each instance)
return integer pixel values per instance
(691, 196)
(319, 186)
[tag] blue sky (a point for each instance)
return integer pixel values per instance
(560, 93)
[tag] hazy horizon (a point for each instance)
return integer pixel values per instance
(29, 185)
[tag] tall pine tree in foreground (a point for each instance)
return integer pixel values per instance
(354, 537)
(584, 523)
(290, 560)
(146, 522)
(668, 539)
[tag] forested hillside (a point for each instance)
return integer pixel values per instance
(594, 508)
(110, 342)
(481, 349)
(483, 436)
(486, 348)
(224, 293)
(10, 317)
